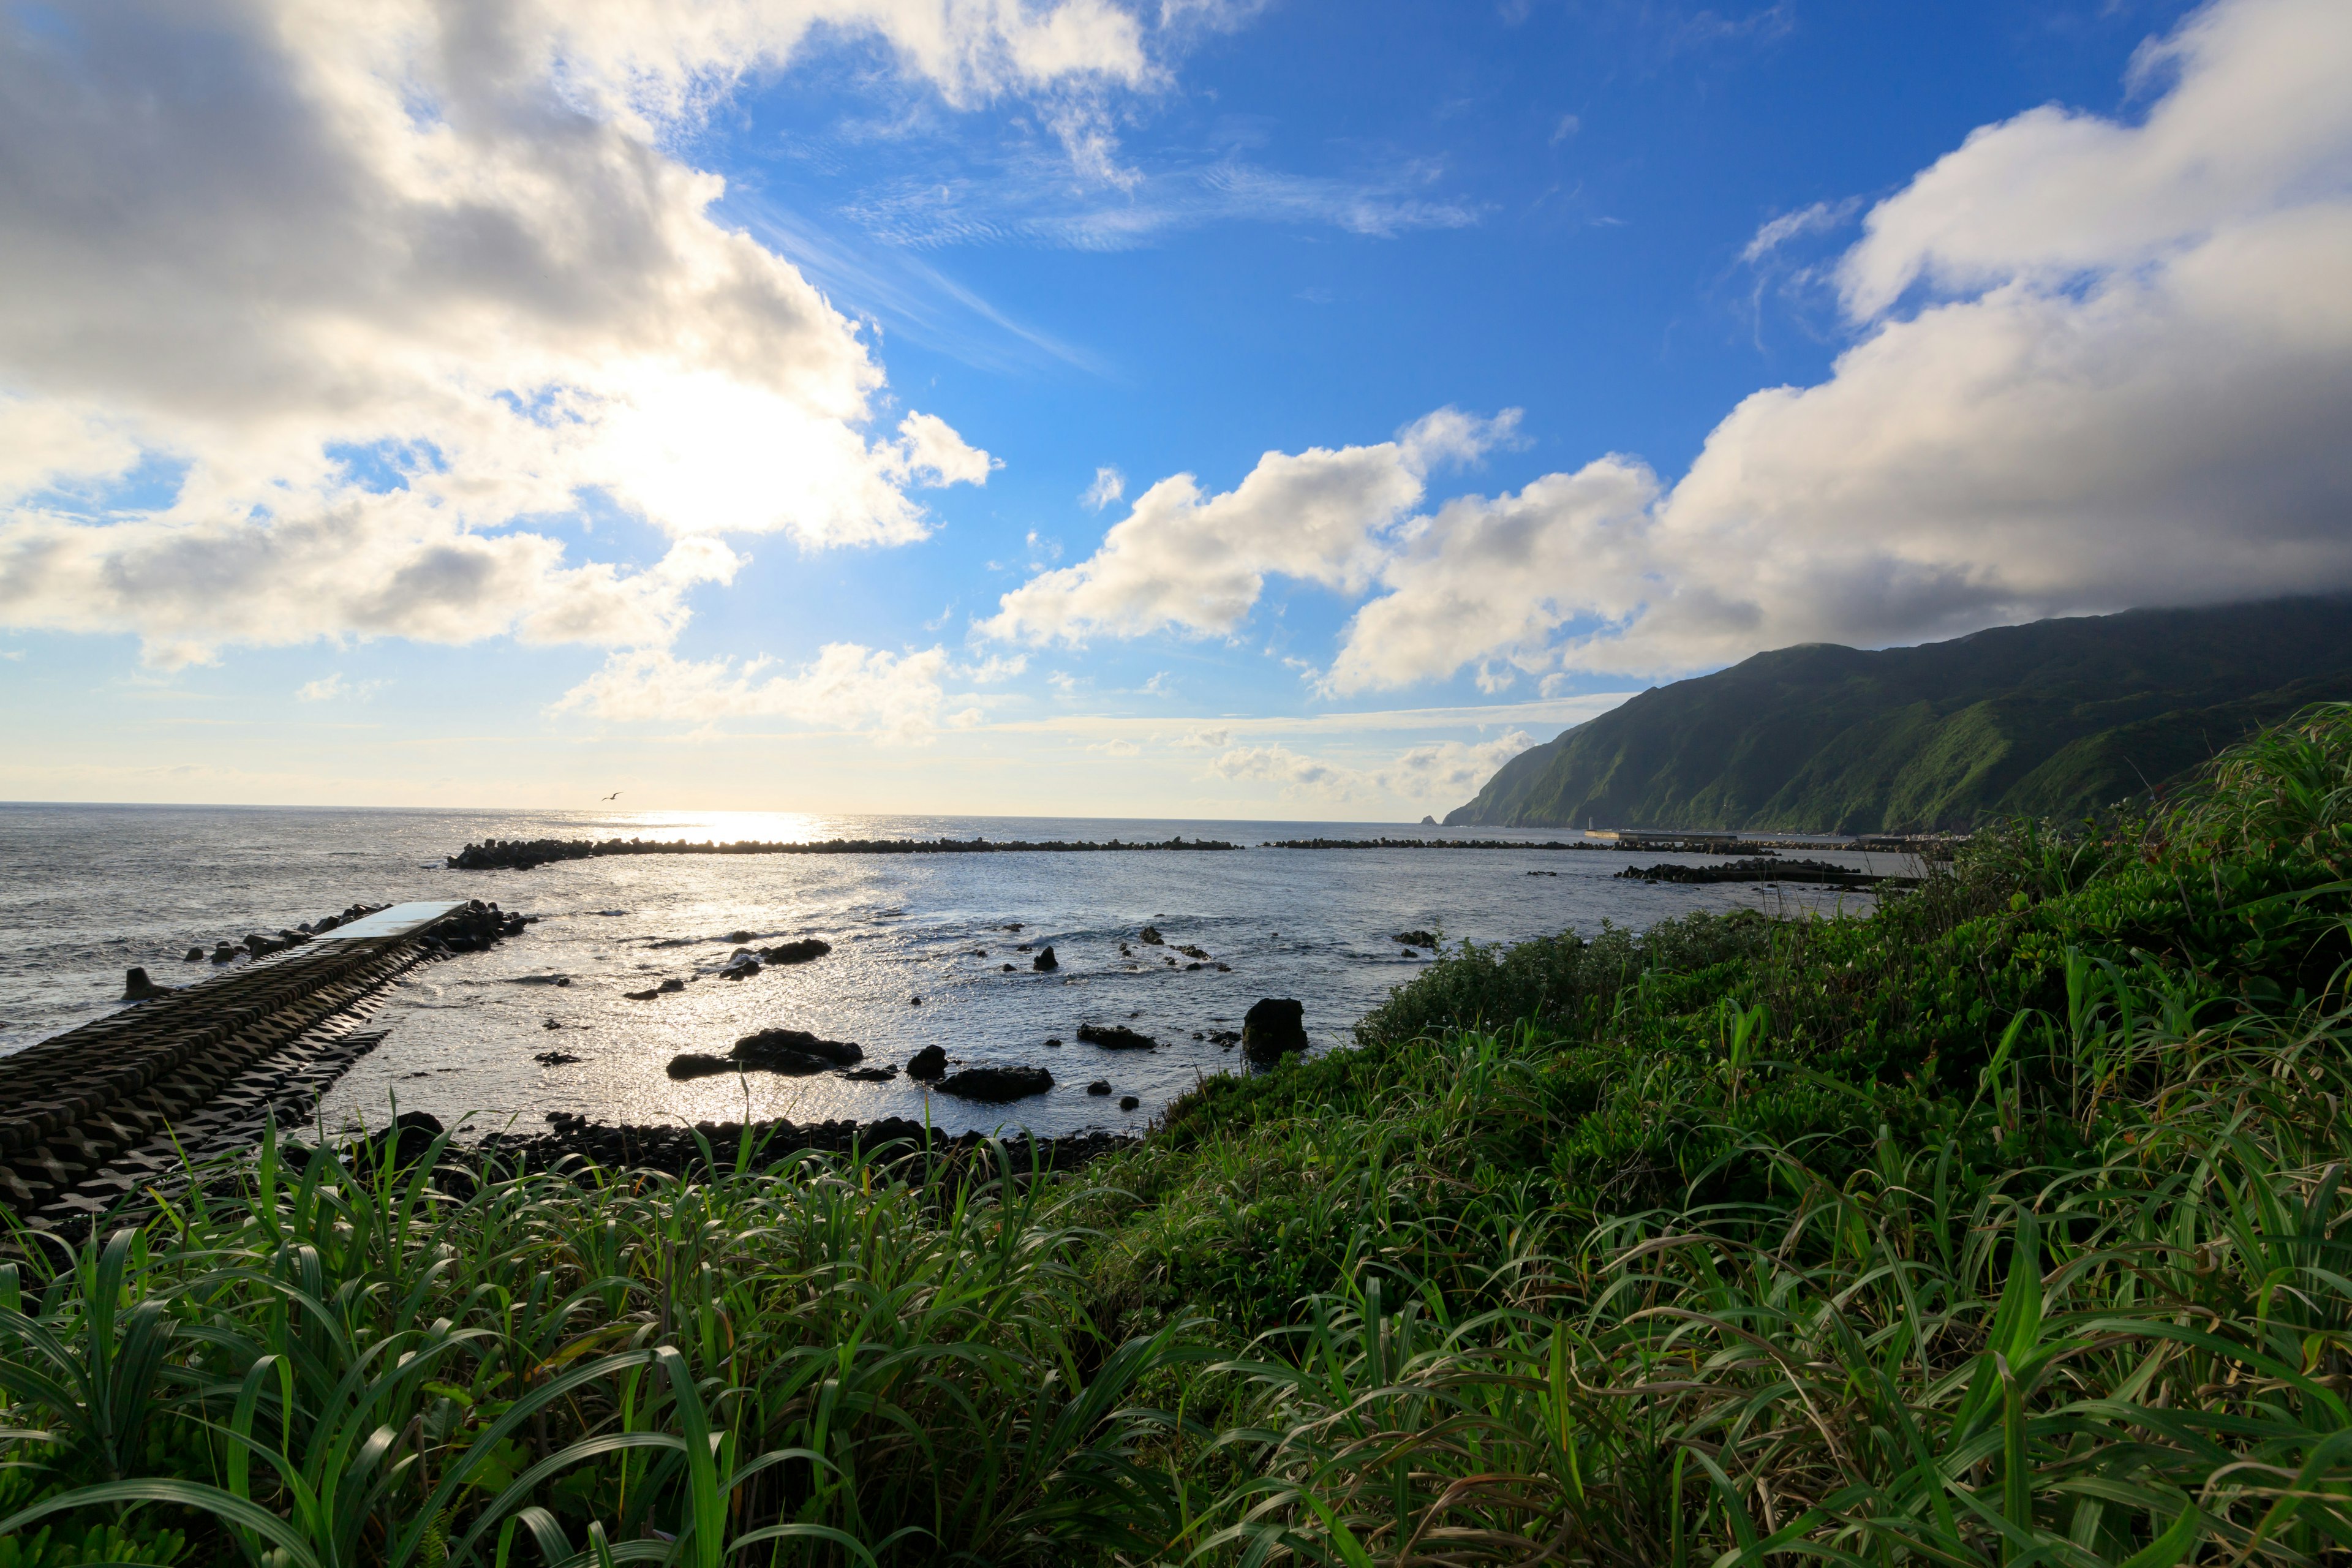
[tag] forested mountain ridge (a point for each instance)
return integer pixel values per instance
(2053, 719)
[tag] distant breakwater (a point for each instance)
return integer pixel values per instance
(1762, 869)
(1423, 843)
(521, 854)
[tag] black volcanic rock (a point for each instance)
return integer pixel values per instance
(927, 1065)
(1274, 1025)
(1116, 1037)
(995, 1086)
(696, 1064)
(794, 1051)
(796, 952)
(1046, 961)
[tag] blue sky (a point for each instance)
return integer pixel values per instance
(429, 426)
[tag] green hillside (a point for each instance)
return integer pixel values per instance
(2049, 719)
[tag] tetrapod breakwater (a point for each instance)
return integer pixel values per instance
(523, 855)
(128, 1101)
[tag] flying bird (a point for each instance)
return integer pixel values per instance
(614, 796)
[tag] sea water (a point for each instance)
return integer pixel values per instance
(87, 892)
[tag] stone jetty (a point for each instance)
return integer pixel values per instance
(521, 854)
(119, 1104)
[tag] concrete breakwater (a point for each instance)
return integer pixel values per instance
(96, 1112)
(1762, 869)
(1935, 847)
(521, 854)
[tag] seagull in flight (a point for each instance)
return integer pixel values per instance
(614, 796)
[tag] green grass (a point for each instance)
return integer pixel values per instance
(2006, 1226)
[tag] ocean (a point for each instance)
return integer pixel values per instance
(88, 891)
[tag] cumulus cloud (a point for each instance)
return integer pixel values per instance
(1195, 562)
(351, 565)
(1488, 582)
(1449, 769)
(1295, 773)
(898, 696)
(384, 280)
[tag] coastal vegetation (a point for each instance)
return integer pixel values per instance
(2005, 1226)
(2054, 719)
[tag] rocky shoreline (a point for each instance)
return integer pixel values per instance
(572, 1142)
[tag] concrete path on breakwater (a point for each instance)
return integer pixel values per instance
(121, 1103)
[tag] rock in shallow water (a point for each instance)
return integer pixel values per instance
(995, 1086)
(796, 952)
(927, 1065)
(794, 1051)
(1046, 961)
(695, 1064)
(1116, 1037)
(1274, 1025)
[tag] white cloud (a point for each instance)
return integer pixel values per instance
(1496, 579)
(1207, 739)
(1439, 771)
(374, 283)
(1818, 218)
(1116, 748)
(356, 565)
(1448, 771)
(845, 686)
(1042, 206)
(1195, 562)
(1294, 772)
(332, 687)
(995, 668)
(1110, 485)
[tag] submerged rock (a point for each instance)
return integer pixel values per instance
(696, 1064)
(1150, 936)
(1116, 1037)
(1414, 939)
(741, 965)
(1100, 1085)
(870, 1075)
(927, 1065)
(802, 952)
(557, 1060)
(669, 986)
(193, 955)
(1273, 1027)
(646, 995)
(995, 1086)
(1128, 1102)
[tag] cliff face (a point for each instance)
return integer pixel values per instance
(2053, 719)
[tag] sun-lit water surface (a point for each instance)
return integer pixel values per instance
(86, 891)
